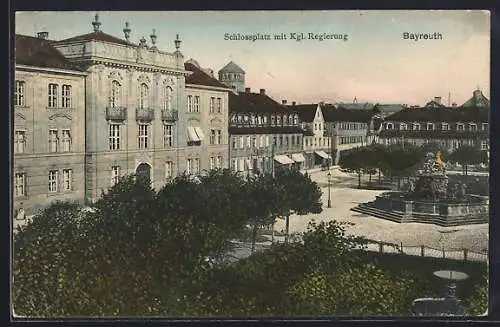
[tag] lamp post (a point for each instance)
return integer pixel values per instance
(329, 195)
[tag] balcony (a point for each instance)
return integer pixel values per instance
(169, 115)
(144, 114)
(116, 113)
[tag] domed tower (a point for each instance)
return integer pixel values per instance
(233, 77)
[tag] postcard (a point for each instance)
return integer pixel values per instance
(240, 164)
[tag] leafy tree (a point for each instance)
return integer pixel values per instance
(479, 301)
(352, 161)
(402, 160)
(468, 155)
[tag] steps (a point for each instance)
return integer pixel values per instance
(400, 217)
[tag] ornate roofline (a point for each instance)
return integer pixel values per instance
(137, 66)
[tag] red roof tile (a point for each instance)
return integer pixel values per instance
(199, 77)
(34, 51)
(98, 36)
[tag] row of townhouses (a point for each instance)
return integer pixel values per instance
(94, 107)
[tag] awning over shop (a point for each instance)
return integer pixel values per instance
(322, 154)
(298, 157)
(282, 159)
(200, 133)
(192, 136)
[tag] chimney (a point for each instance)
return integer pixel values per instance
(262, 91)
(247, 90)
(283, 101)
(42, 35)
(437, 99)
(477, 93)
(293, 103)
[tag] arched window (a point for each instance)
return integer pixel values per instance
(285, 120)
(115, 94)
(167, 98)
(143, 95)
(296, 119)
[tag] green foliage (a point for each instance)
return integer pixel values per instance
(478, 302)
(468, 155)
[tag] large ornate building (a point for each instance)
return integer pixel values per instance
(49, 125)
(126, 108)
(449, 127)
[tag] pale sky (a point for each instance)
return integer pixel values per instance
(375, 64)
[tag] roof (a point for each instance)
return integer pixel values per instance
(389, 108)
(448, 114)
(200, 77)
(332, 114)
(355, 106)
(255, 103)
(231, 67)
(98, 36)
(306, 112)
(434, 104)
(477, 100)
(434, 134)
(34, 51)
(265, 130)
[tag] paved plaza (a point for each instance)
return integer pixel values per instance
(345, 195)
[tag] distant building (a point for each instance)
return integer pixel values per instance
(348, 128)
(449, 127)
(233, 76)
(316, 141)
(264, 134)
(49, 125)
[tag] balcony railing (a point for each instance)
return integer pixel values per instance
(116, 113)
(146, 114)
(169, 115)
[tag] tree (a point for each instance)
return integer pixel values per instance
(352, 161)
(468, 155)
(402, 160)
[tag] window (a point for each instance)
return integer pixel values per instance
(168, 136)
(295, 119)
(388, 125)
(485, 126)
(272, 120)
(20, 184)
(484, 145)
(445, 126)
(234, 164)
(264, 119)
(190, 103)
(267, 140)
(52, 100)
(19, 93)
(262, 141)
(212, 105)
(402, 126)
(254, 142)
(280, 142)
(218, 136)
(472, 127)
(114, 136)
(166, 103)
(19, 141)
(143, 136)
(115, 94)
(293, 140)
(53, 181)
(234, 142)
(286, 140)
(67, 179)
(169, 169)
(212, 163)
(66, 96)
(189, 166)
(248, 142)
(219, 105)
(275, 141)
(212, 136)
(197, 166)
(278, 120)
(242, 145)
(460, 127)
(196, 106)
(218, 162)
(143, 95)
(66, 140)
(115, 175)
(53, 140)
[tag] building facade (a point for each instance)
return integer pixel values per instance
(348, 128)
(111, 107)
(49, 126)
(448, 127)
(316, 141)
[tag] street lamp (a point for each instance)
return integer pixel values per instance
(329, 195)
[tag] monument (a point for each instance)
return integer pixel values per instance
(430, 199)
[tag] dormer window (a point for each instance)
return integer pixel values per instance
(460, 127)
(273, 120)
(472, 127)
(430, 126)
(416, 127)
(388, 125)
(290, 120)
(252, 120)
(285, 120)
(278, 120)
(296, 119)
(485, 126)
(402, 126)
(445, 127)
(264, 119)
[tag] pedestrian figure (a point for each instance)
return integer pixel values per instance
(20, 212)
